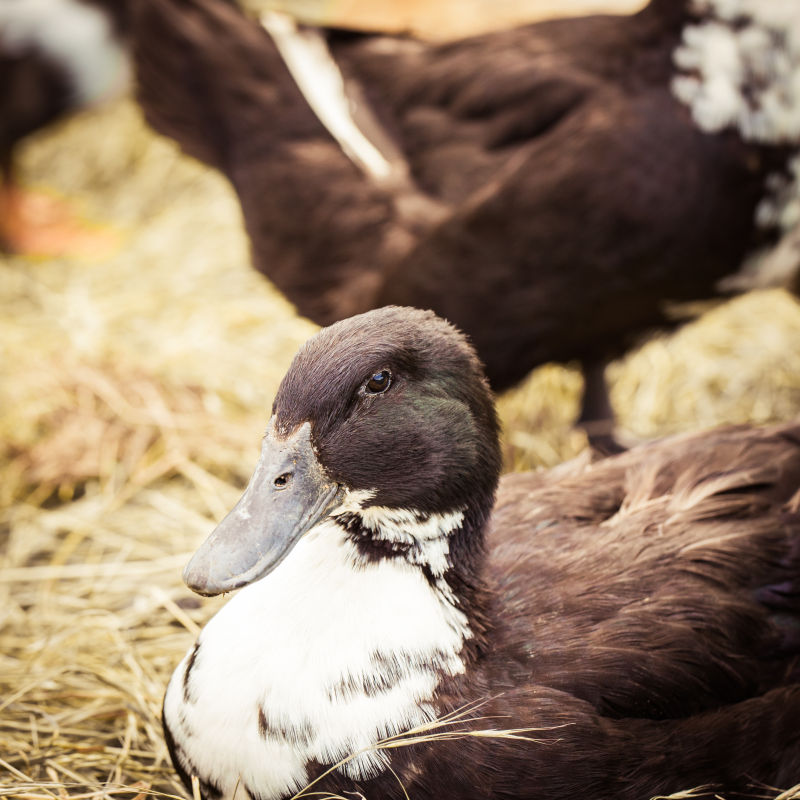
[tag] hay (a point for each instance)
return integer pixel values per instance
(133, 393)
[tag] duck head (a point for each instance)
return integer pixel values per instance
(386, 410)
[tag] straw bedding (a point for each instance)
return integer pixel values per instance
(133, 392)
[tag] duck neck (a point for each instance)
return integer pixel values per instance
(446, 548)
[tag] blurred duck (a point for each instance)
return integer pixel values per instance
(633, 625)
(56, 56)
(556, 190)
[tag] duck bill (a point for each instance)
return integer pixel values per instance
(287, 495)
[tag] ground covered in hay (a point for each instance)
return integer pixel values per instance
(133, 391)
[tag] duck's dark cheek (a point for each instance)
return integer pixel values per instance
(386, 462)
(406, 462)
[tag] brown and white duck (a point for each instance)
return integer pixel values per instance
(56, 57)
(636, 622)
(555, 190)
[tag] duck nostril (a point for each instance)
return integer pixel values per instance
(282, 481)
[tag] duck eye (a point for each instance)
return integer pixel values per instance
(379, 382)
(282, 481)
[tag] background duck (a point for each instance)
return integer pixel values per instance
(640, 615)
(56, 56)
(554, 190)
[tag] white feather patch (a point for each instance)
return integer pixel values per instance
(74, 35)
(775, 266)
(428, 534)
(318, 77)
(335, 651)
(741, 68)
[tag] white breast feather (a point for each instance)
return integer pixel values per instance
(302, 645)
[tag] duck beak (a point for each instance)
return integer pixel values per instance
(287, 495)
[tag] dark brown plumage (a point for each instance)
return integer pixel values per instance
(658, 594)
(558, 195)
(34, 93)
(641, 613)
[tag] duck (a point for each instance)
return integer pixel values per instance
(557, 191)
(56, 57)
(406, 623)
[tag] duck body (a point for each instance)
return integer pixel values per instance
(551, 195)
(56, 57)
(631, 624)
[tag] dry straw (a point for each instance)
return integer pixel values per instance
(133, 393)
